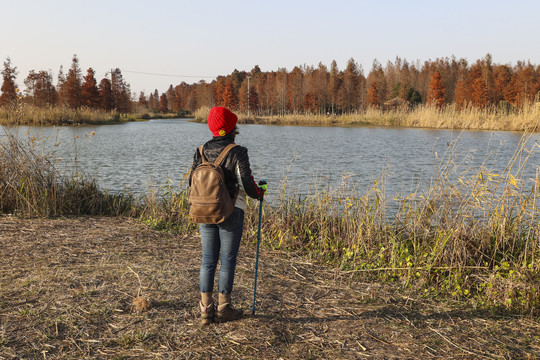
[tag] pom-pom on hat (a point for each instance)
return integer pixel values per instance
(221, 121)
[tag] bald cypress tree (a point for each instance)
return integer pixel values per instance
(163, 103)
(373, 94)
(436, 90)
(40, 89)
(229, 97)
(106, 100)
(73, 84)
(9, 88)
(61, 87)
(121, 92)
(479, 92)
(89, 90)
(350, 85)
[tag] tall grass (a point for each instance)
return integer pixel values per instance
(525, 118)
(167, 207)
(474, 236)
(30, 185)
(201, 115)
(26, 114)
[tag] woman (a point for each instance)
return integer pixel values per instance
(224, 237)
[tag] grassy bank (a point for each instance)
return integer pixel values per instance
(423, 116)
(473, 239)
(30, 185)
(25, 114)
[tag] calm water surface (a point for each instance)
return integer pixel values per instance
(139, 155)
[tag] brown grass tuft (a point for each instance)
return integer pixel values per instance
(140, 304)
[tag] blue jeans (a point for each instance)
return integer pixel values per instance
(224, 238)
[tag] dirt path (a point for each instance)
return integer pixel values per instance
(66, 288)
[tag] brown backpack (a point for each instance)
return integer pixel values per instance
(209, 199)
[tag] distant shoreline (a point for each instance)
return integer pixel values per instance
(57, 116)
(424, 116)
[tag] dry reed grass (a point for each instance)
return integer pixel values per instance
(201, 115)
(25, 114)
(425, 116)
(472, 236)
(30, 185)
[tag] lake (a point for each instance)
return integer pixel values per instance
(135, 156)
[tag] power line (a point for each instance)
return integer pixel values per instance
(169, 75)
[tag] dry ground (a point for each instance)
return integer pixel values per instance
(67, 285)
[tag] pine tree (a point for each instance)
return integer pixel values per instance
(9, 88)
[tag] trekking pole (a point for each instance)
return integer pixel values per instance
(262, 182)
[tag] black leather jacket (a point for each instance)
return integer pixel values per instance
(236, 156)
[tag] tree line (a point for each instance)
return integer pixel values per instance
(323, 90)
(72, 90)
(304, 89)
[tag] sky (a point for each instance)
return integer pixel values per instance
(199, 39)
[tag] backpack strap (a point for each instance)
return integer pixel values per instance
(202, 155)
(224, 153)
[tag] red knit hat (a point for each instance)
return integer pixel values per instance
(221, 121)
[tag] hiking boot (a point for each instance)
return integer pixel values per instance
(207, 308)
(225, 310)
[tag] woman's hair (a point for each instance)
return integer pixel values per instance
(234, 131)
